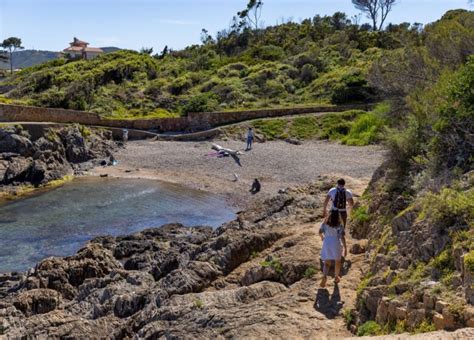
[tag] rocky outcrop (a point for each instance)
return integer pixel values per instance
(53, 156)
(175, 281)
(416, 275)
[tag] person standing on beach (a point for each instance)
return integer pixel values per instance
(339, 196)
(250, 137)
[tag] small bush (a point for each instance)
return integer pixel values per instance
(270, 128)
(469, 261)
(348, 317)
(367, 127)
(444, 261)
(204, 102)
(273, 263)
(268, 52)
(310, 272)
(449, 206)
(304, 127)
(364, 283)
(361, 215)
(369, 328)
(198, 303)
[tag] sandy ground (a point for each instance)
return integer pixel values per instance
(278, 165)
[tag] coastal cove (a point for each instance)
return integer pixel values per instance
(58, 222)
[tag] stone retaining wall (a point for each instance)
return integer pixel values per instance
(193, 122)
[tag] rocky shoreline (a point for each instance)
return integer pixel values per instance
(250, 277)
(254, 277)
(27, 162)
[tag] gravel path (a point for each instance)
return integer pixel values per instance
(277, 164)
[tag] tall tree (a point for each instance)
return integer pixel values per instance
(12, 44)
(251, 16)
(375, 10)
(146, 50)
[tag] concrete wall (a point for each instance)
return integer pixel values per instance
(212, 119)
(193, 122)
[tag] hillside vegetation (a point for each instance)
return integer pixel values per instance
(320, 60)
(418, 211)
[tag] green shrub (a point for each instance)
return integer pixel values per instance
(469, 261)
(416, 272)
(268, 52)
(450, 206)
(369, 328)
(444, 261)
(270, 128)
(180, 85)
(198, 303)
(360, 215)
(352, 87)
(348, 317)
(310, 272)
(273, 263)
(304, 127)
(365, 130)
(364, 283)
(204, 102)
(424, 327)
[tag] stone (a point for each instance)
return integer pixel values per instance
(415, 317)
(10, 141)
(22, 161)
(382, 310)
(358, 248)
(293, 141)
(449, 320)
(403, 222)
(37, 301)
(428, 302)
(18, 170)
(440, 306)
(438, 321)
(401, 313)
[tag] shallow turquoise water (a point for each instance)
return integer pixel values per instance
(59, 222)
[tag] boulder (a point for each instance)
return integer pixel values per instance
(37, 301)
(18, 170)
(12, 142)
(358, 248)
(415, 317)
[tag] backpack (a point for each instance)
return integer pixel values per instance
(340, 199)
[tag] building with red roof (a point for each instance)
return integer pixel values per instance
(79, 49)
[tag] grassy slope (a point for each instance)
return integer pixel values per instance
(354, 127)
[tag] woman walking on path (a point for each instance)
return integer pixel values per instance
(334, 240)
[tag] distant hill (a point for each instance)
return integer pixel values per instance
(27, 58)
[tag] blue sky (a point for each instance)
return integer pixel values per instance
(51, 24)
